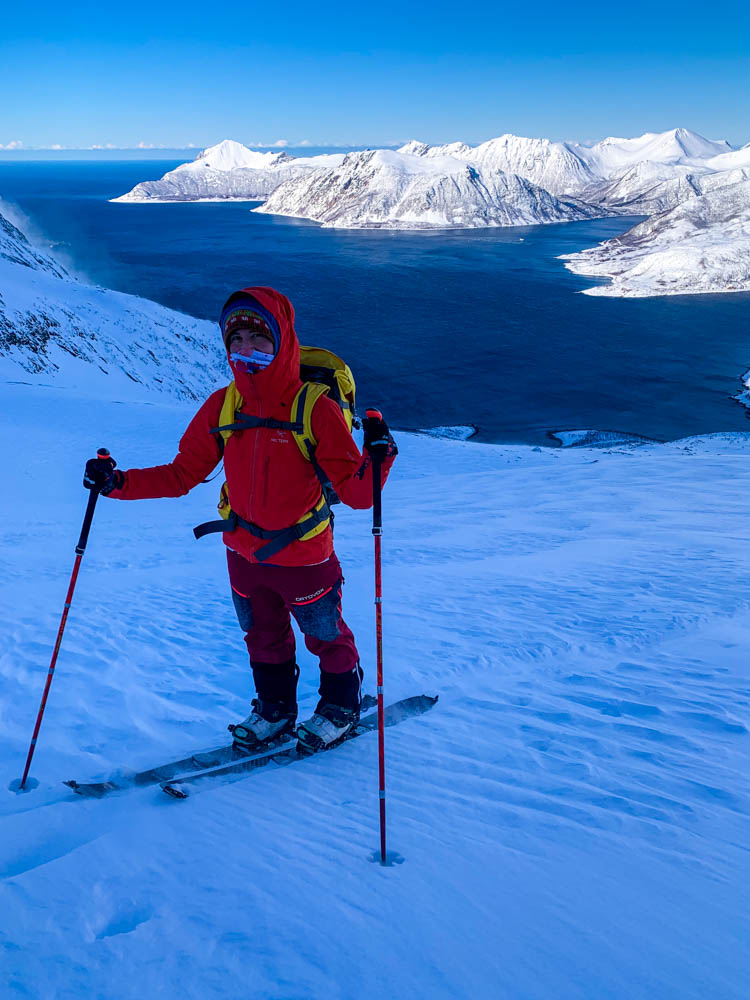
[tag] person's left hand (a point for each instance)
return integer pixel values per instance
(378, 441)
(101, 475)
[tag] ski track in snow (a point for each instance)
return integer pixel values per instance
(573, 813)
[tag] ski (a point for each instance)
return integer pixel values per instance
(203, 760)
(400, 710)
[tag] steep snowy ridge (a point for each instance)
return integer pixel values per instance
(55, 328)
(554, 166)
(387, 189)
(701, 245)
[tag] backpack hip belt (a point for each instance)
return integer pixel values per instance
(276, 539)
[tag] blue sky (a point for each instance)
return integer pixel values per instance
(174, 74)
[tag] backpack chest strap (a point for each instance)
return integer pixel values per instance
(244, 421)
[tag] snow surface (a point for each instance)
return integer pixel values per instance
(573, 814)
(701, 245)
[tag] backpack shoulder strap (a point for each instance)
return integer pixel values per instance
(302, 410)
(232, 402)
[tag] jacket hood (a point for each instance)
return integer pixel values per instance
(279, 382)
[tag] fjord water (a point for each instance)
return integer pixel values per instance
(481, 327)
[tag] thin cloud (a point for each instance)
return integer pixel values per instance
(13, 144)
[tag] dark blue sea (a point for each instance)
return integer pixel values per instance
(481, 327)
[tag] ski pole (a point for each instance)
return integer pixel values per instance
(377, 530)
(80, 549)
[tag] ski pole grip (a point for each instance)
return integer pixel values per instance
(90, 506)
(377, 498)
(377, 506)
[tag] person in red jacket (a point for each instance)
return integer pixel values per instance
(271, 487)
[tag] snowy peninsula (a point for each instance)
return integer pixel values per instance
(507, 181)
(700, 245)
(228, 171)
(396, 190)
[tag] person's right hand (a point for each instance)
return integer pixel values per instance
(101, 474)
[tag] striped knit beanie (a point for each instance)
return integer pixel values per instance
(243, 312)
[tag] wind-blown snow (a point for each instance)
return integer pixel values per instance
(572, 815)
(701, 245)
(387, 189)
(54, 327)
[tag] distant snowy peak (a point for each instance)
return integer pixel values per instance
(414, 148)
(228, 171)
(676, 146)
(390, 189)
(55, 328)
(231, 155)
(701, 245)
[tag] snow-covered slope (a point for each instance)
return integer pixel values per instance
(570, 168)
(649, 188)
(554, 166)
(677, 146)
(701, 245)
(227, 171)
(736, 159)
(572, 815)
(386, 189)
(55, 327)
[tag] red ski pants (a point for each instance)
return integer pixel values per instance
(266, 596)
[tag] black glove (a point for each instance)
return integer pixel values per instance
(378, 440)
(101, 475)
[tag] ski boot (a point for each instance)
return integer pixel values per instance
(266, 725)
(328, 726)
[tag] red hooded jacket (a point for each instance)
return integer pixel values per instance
(268, 480)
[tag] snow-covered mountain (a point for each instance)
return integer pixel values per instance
(387, 189)
(554, 166)
(612, 156)
(507, 181)
(701, 245)
(227, 171)
(649, 188)
(53, 326)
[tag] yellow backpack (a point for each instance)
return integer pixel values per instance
(322, 373)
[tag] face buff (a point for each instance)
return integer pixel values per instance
(255, 363)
